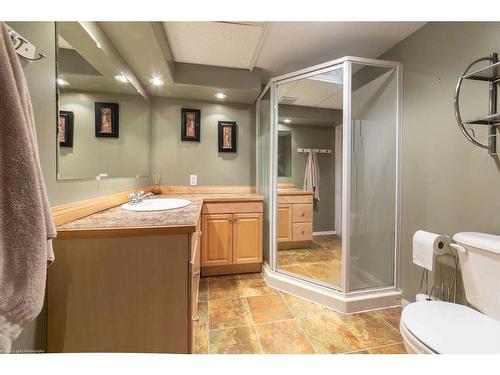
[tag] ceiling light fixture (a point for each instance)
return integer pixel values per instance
(287, 121)
(62, 82)
(122, 78)
(156, 81)
(220, 95)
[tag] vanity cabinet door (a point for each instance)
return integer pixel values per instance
(217, 239)
(247, 238)
(284, 222)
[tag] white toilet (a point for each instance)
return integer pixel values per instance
(449, 328)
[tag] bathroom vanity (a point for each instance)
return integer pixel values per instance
(128, 281)
(295, 218)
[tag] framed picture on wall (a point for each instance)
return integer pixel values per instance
(190, 124)
(227, 136)
(65, 128)
(106, 120)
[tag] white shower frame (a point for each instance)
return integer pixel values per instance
(342, 299)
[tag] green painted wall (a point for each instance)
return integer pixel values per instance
(175, 160)
(449, 185)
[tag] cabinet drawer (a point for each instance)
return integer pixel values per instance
(231, 207)
(295, 199)
(302, 232)
(302, 213)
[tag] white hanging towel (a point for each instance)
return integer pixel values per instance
(311, 178)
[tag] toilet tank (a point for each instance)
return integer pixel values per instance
(480, 265)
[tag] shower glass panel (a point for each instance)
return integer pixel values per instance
(373, 156)
(264, 167)
(309, 110)
(338, 247)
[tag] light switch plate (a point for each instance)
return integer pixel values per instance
(193, 180)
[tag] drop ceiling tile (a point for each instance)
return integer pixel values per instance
(214, 43)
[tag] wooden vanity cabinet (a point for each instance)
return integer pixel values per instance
(295, 219)
(232, 237)
(130, 294)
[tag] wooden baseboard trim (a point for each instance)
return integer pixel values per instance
(208, 189)
(76, 210)
(231, 269)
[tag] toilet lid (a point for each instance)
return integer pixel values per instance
(451, 328)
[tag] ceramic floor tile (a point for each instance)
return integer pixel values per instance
(329, 334)
(298, 270)
(391, 316)
(229, 313)
(203, 291)
(286, 259)
(302, 308)
(241, 340)
(364, 351)
(306, 256)
(255, 287)
(221, 277)
(256, 275)
(268, 308)
(389, 349)
(328, 255)
(200, 330)
(224, 288)
(284, 337)
(325, 272)
(371, 330)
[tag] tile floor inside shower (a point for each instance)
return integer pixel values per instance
(321, 261)
(240, 314)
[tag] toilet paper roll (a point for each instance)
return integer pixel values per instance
(425, 246)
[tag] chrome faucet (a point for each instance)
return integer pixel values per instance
(138, 197)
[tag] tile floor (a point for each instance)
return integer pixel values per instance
(321, 261)
(241, 314)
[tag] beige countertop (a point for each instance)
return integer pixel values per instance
(119, 221)
(294, 191)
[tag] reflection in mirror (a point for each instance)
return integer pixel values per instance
(103, 121)
(284, 153)
(309, 177)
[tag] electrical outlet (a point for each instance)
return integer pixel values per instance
(193, 180)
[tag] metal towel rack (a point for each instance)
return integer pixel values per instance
(23, 47)
(316, 150)
(490, 74)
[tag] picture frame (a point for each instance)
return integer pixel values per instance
(190, 125)
(65, 128)
(227, 136)
(107, 120)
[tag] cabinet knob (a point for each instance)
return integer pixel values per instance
(303, 232)
(196, 319)
(196, 273)
(303, 214)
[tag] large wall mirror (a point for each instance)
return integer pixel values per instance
(104, 116)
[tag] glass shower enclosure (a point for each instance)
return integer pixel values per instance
(342, 120)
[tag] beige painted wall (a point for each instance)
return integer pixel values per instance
(176, 160)
(126, 156)
(41, 80)
(449, 185)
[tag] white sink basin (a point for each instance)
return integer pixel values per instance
(161, 204)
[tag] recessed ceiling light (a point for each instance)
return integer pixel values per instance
(220, 95)
(62, 82)
(156, 81)
(121, 78)
(287, 121)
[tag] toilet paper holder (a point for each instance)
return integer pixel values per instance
(443, 291)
